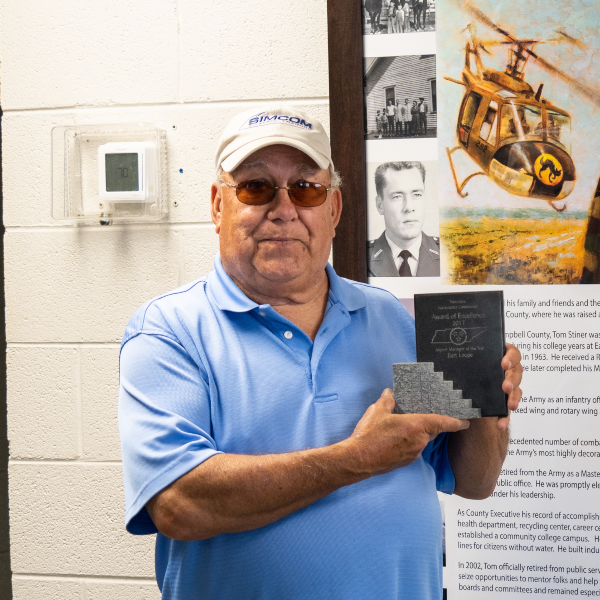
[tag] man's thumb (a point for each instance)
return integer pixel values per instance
(387, 399)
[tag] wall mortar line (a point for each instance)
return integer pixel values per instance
(293, 100)
(169, 226)
(53, 462)
(83, 578)
(63, 345)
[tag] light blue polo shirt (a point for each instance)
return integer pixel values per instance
(204, 370)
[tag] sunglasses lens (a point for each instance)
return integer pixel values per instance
(306, 194)
(255, 192)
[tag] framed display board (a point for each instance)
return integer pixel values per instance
(466, 132)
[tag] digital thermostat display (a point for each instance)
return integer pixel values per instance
(127, 172)
(122, 172)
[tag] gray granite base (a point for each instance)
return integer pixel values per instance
(420, 389)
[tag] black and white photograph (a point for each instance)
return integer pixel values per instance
(403, 219)
(398, 16)
(400, 97)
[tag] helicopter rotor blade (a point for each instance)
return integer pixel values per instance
(585, 90)
(588, 91)
(565, 37)
(476, 46)
(508, 43)
(483, 18)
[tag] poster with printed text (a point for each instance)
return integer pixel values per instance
(512, 141)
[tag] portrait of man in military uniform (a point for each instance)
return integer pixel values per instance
(403, 249)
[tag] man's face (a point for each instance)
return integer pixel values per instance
(277, 247)
(402, 205)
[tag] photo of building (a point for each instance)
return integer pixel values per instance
(400, 97)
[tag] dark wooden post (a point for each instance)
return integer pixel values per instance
(346, 106)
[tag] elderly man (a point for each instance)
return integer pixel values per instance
(257, 442)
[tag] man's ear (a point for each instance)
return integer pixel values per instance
(336, 208)
(216, 206)
(379, 204)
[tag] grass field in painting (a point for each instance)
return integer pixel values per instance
(489, 250)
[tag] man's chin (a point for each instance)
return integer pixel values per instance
(279, 270)
(410, 234)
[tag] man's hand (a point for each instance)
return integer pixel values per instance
(511, 363)
(384, 441)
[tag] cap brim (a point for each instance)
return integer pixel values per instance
(238, 156)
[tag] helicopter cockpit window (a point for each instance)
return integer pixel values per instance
(559, 128)
(520, 120)
(469, 113)
(489, 124)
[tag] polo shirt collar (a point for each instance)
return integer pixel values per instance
(344, 291)
(228, 296)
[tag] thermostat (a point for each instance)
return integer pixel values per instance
(127, 172)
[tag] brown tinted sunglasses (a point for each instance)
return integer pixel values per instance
(302, 193)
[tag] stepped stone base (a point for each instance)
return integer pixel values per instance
(420, 389)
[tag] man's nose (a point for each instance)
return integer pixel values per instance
(282, 207)
(409, 204)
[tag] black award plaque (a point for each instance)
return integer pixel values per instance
(462, 334)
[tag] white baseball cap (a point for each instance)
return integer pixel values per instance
(276, 124)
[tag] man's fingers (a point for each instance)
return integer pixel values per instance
(436, 424)
(387, 400)
(503, 422)
(512, 357)
(514, 399)
(512, 380)
(511, 363)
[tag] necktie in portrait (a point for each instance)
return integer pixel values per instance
(404, 270)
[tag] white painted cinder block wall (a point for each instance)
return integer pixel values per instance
(187, 65)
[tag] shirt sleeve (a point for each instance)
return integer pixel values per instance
(164, 420)
(436, 454)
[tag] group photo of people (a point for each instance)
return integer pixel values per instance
(400, 97)
(403, 120)
(398, 16)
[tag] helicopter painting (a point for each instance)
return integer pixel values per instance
(518, 138)
(527, 154)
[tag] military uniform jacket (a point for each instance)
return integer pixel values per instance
(381, 262)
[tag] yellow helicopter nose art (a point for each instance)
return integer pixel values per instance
(548, 169)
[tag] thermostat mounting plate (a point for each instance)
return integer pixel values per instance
(109, 173)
